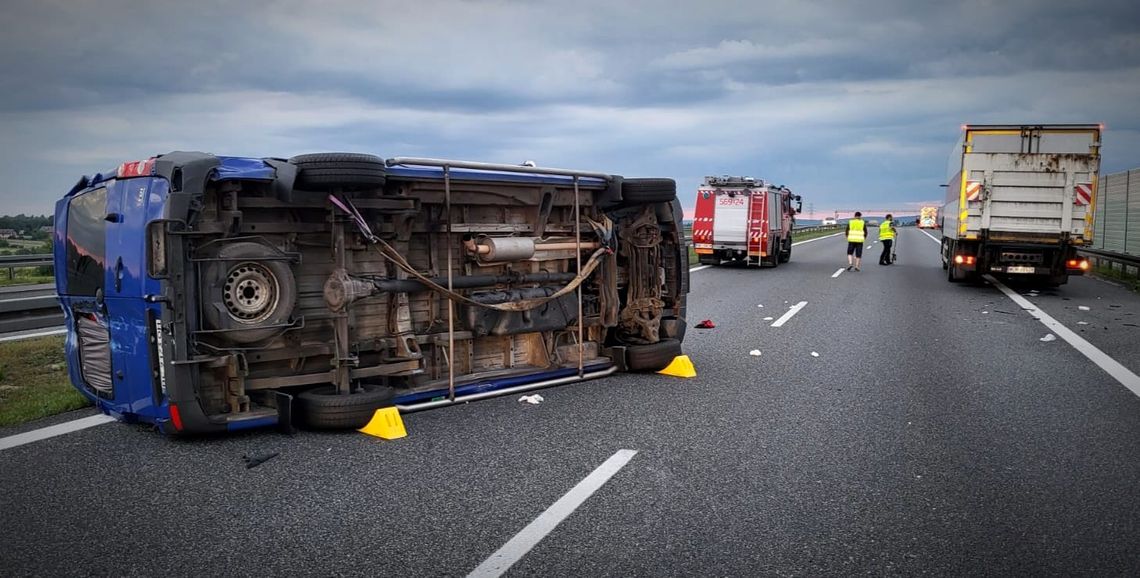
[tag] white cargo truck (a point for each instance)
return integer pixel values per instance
(1020, 201)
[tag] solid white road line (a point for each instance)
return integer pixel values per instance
(31, 335)
(701, 268)
(52, 431)
(1102, 359)
(533, 533)
(839, 272)
(932, 237)
(785, 317)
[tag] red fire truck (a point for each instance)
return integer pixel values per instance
(744, 219)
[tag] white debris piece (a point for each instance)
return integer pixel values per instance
(754, 353)
(1082, 323)
(769, 318)
(1049, 337)
(532, 399)
(760, 305)
(985, 312)
(1083, 307)
(814, 354)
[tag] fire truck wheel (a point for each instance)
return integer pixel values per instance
(786, 251)
(249, 292)
(323, 408)
(652, 357)
(321, 171)
(647, 191)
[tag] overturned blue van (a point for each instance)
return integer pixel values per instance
(205, 293)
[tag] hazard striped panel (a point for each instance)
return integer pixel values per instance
(973, 190)
(1083, 194)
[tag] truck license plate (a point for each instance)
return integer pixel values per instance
(1018, 269)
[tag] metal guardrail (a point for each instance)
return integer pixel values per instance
(26, 307)
(1126, 264)
(13, 262)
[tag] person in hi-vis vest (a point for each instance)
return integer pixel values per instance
(887, 236)
(856, 235)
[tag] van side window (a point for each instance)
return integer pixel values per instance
(86, 242)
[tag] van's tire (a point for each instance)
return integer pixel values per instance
(321, 171)
(322, 408)
(249, 291)
(652, 357)
(647, 191)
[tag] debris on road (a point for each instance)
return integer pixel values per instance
(760, 305)
(985, 312)
(769, 318)
(754, 353)
(1082, 323)
(706, 324)
(1000, 311)
(1049, 337)
(1083, 307)
(814, 354)
(532, 399)
(257, 460)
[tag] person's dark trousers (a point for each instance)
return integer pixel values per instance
(885, 258)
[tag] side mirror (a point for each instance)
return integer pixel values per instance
(799, 206)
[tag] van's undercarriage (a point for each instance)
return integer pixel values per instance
(364, 284)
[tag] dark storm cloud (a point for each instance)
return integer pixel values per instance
(806, 93)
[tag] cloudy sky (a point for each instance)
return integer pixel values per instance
(851, 104)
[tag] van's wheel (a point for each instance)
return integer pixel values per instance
(652, 357)
(323, 408)
(321, 171)
(249, 292)
(647, 191)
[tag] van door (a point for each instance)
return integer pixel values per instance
(131, 317)
(85, 279)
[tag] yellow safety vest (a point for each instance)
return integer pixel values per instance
(885, 231)
(856, 232)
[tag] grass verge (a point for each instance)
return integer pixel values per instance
(24, 278)
(34, 381)
(1130, 282)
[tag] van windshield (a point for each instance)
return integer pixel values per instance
(86, 242)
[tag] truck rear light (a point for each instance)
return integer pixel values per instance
(136, 169)
(1081, 264)
(964, 259)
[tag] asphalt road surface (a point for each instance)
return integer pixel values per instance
(934, 433)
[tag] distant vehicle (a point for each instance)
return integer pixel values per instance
(829, 221)
(928, 218)
(206, 293)
(1020, 201)
(744, 219)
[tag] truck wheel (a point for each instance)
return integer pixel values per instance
(320, 171)
(249, 292)
(652, 357)
(647, 191)
(951, 275)
(323, 408)
(786, 253)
